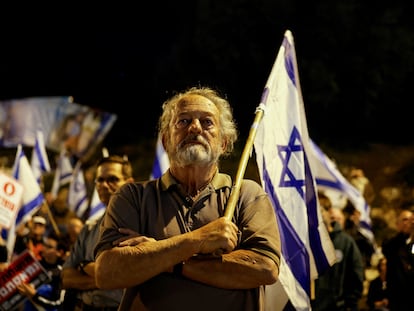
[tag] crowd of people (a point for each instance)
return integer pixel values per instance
(164, 244)
(152, 247)
(369, 274)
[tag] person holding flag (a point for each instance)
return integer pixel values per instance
(191, 255)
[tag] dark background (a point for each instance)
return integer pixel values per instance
(355, 59)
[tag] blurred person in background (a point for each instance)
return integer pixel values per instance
(353, 228)
(74, 227)
(78, 275)
(31, 236)
(60, 210)
(341, 286)
(377, 298)
(400, 261)
(48, 296)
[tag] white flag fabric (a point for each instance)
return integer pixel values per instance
(161, 161)
(97, 208)
(330, 178)
(39, 161)
(63, 173)
(78, 192)
(32, 197)
(282, 149)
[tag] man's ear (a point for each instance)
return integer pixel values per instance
(224, 145)
(164, 141)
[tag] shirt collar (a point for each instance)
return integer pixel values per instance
(219, 180)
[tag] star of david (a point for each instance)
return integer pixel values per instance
(287, 178)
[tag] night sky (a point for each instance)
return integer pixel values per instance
(356, 61)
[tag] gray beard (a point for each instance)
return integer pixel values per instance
(195, 154)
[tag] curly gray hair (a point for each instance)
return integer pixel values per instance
(228, 127)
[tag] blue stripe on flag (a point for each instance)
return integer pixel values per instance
(289, 61)
(161, 161)
(38, 155)
(156, 169)
(328, 176)
(29, 208)
(293, 249)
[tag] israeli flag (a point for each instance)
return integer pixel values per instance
(78, 192)
(282, 155)
(39, 161)
(161, 161)
(329, 177)
(97, 208)
(32, 197)
(63, 173)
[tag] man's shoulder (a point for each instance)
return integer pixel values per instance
(394, 240)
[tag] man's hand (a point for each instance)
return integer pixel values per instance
(26, 289)
(218, 236)
(131, 238)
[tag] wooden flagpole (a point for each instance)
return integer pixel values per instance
(234, 195)
(51, 218)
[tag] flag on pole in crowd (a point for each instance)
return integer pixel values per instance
(78, 192)
(161, 161)
(282, 155)
(32, 197)
(328, 177)
(39, 161)
(63, 173)
(97, 208)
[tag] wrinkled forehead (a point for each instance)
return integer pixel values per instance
(195, 103)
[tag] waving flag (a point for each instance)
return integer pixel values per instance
(32, 196)
(97, 208)
(161, 161)
(329, 177)
(39, 161)
(78, 129)
(282, 155)
(78, 192)
(63, 173)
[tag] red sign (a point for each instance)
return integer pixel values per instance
(25, 268)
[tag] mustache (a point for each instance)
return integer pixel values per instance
(192, 139)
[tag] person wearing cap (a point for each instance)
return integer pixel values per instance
(49, 296)
(31, 237)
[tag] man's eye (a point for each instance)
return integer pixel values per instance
(182, 123)
(207, 123)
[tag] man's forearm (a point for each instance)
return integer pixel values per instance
(241, 269)
(72, 278)
(126, 266)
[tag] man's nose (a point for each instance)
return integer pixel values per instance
(195, 125)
